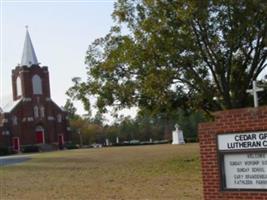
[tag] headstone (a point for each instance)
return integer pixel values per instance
(150, 140)
(177, 135)
(117, 140)
(107, 142)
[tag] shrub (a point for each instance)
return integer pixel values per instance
(161, 142)
(135, 142)
(71, 146)
(4, 151)
(30, 149)
(191, 140)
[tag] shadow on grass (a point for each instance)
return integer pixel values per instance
(13, 161)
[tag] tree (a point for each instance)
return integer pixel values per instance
(98, 119)
(178, 54)
(189, 123)
(78, 126)
(127, 130)
(87, 131)
(214, 49)
(70, 109)
(112, 133)
(79, 91)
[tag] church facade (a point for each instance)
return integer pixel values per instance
(32, 118)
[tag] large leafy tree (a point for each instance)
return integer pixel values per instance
(178, 53)
(70, 109)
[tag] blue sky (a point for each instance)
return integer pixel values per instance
(60, 31)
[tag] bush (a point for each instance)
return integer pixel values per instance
(137, 143)
(71, 146)
(191, 140)
(4, 151)
(30, 149)
(161, 142)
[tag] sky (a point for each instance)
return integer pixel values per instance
(61, 32)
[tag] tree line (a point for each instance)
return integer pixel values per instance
(142, 128)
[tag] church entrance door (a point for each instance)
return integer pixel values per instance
(39, 135)
(16, 144)
(60, 141)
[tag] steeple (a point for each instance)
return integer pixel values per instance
(28, 56)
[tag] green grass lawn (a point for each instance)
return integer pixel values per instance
(141, 172)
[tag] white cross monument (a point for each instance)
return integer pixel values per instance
(254, 91)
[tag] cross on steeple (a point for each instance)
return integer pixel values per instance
(254, 91)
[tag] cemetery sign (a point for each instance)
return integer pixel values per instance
(243, 160)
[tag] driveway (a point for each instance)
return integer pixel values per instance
(12, 160)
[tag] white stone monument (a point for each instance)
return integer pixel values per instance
(107, 142)
(177, 135)
(117, 140)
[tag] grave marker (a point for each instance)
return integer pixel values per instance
(117, 140)
(177, 135)
(107, 142)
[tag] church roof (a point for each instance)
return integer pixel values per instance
(28, 56)
(10, 106)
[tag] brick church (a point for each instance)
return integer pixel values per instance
(32, 118)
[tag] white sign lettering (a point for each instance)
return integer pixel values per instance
(246, 171)
(241, 141)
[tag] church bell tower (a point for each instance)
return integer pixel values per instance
(29, 80)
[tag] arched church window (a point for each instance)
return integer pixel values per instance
(15, 120)
(36, 111)
(37, 84)
(19, 86)
(42, 111)
(59, 118)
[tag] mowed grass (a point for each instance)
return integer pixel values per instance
(141, 172)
